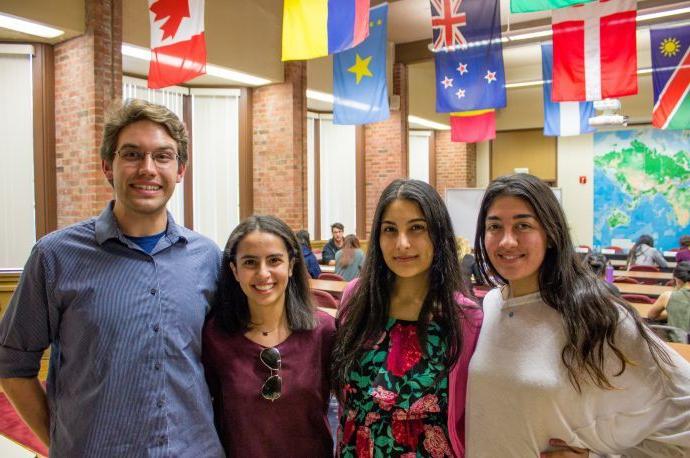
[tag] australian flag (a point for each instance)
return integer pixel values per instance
(472, 78)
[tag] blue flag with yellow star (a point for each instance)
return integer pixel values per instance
(472, 77)
(359, 76)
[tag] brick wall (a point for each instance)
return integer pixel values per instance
(456, 163)
(88, 77)
(385, 150)
(279, 121)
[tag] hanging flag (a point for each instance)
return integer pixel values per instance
(671, 77)
(473, 126)
(446, 23)
(472, 77)
(527, 6)
(562, 118)
(316, 28)
(178, 45)
(594, 51)
(360, 90)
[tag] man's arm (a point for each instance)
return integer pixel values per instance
(328, 254)
(28, 397)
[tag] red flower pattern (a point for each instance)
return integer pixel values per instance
(405, 351)
(429, 403)
(407, 432)
(435, 442)
(349, 427)
(384, 398)
(364, 444)
(372, 417)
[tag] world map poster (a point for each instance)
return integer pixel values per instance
(641, 186)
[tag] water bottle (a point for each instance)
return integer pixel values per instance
(608, 276)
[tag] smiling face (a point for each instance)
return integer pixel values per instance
(262, 268)
(405, 242)
(515, 242)
(142, 189)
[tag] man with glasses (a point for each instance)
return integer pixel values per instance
(121, 301)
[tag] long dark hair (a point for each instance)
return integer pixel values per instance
(635, 251)
(362, 319)
(589, 311)
(231, 306)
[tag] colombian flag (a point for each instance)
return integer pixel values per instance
(316, 28)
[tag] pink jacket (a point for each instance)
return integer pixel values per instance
(457, 380)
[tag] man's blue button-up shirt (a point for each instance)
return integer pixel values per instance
(124, 327)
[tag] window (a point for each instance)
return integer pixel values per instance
(215, 158)
(17, 212)
(418, 155)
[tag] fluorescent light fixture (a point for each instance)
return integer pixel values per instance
(659, 14)
(320, 96)
(524, 84)
(28, 27)
(426, 123)
(138, 52)
(529, 35)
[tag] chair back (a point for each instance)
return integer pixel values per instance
(330, 276)
(616, 249)
(638, 268)
(630, 280)
(324, 299)
(638, 298)
(670, 333)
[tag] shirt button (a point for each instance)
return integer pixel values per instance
(153, 291)
(160, 440)
(157, 365)
(160, 403)
(156, 327)
(510, 314)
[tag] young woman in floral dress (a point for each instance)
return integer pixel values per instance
(405, 334)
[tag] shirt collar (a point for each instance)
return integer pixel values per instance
(107, 228)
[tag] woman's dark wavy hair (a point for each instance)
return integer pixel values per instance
(682, 271)
(589, 311)
(644, 239)
(362, 319)
(231, 307)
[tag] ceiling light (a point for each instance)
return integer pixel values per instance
(659, 14)
(28, 27)
(426, 123)
(320, 96)
(138, 52)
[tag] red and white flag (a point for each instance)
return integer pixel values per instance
(594, 51)
(178, 45)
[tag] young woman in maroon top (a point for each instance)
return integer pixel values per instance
(266, 349)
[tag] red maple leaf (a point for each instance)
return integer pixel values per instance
(174, 10)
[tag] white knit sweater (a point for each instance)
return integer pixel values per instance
(519, 394)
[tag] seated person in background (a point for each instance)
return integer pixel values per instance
(349, 260)
(684, 253)
(643, 253)
(597, 264)
(676, 303)
(309, 257)
(334, 244)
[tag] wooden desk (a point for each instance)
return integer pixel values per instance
(682, 349)
(330, 286)
(647, 290)
(621, 263)
(330, 311)
(642, 308)
(329, 269)
(661, 276)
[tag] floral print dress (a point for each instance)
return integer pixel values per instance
(396, 403)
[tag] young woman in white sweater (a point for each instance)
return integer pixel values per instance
(558, 355)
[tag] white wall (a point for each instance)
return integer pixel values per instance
(575, 156)
(483, 170)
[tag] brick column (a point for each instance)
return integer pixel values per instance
(456, 163)
(385, 150)
(279, 120)
(88, 78)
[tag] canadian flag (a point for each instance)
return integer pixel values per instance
(594, 51)
(178, 45)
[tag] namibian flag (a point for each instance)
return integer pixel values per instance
(316, 28)
(671, 76)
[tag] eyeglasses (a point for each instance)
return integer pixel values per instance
(161, 158)
(270, 357)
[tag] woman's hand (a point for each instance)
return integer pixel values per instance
(565, 451)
